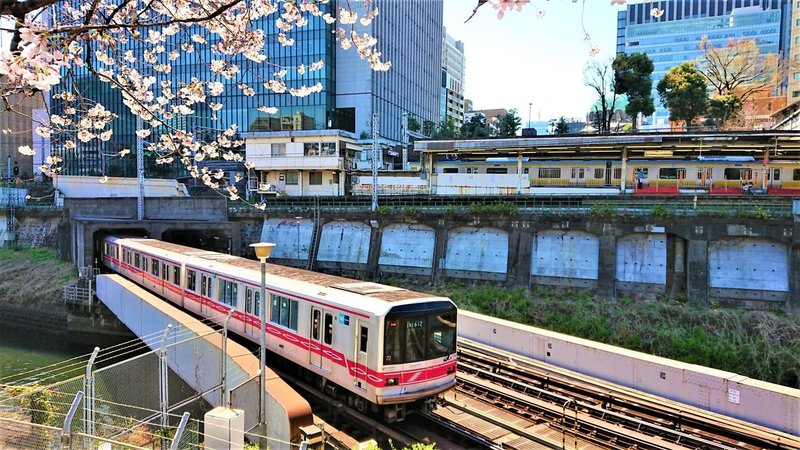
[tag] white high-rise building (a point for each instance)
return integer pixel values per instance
(451, 103)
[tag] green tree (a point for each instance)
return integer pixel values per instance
(428, 127)
(633, 77)
(509, 124)
(723, 109)
(446, 130)
(683, 91)
(413, 123)
(476, 127)
(561, 127)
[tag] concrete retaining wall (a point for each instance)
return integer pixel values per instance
(562, 257)
(714, 390)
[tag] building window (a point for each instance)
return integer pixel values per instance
(328, 149)
(496, 170)
(796, 75)
(315, 178)
(278, 149)
(795, 94)
(291, 178)
(311, 149)
(450, 170)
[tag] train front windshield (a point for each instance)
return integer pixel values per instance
(419, 332)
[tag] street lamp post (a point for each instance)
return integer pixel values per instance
(263, 250)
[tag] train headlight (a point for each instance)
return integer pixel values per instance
(392, 381)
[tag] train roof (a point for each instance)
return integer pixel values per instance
(353, 289)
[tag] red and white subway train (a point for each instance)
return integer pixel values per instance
(379, 347)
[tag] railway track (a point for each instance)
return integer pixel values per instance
(521, 403)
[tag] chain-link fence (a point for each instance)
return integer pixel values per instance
(144, 401)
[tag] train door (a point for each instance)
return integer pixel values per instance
(252, 309)
(205, 291)
(321, 338)
(579, 175)
(361, 348)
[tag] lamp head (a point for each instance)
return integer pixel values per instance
(263, 249)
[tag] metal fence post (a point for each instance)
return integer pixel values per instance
(224, 363)
(65, 432)
(163, 374)
(88, 388)
(176, 440)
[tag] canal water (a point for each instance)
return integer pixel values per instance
(22, 351)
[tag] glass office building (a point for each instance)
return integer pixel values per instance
(674, 37)
(409, 35)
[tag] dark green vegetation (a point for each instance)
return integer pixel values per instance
(757, 344)
(33, 277)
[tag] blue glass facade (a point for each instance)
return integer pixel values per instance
(675, 37)
(314, 42)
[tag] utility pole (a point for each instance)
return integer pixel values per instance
(404, 140)
(375, 155)
(140, 171)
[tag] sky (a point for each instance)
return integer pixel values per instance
(524, 59)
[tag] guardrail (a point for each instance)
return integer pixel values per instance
(78, 296)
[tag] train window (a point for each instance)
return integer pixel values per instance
(443, 335)
(116, 252)
(191, 280)
(671, 173)
(203, 288)
(496, 170)
(450, 170)
(776, 174)
(526, 170)
(364, 336)
(248, 300)
(416, 341)
(165, 271)
(796, 175)
(257, 304)
(136, 260)
(469, 169)
(617, 173)
(315, 319)
(154, 267)
(284, 312)
(391, 343)
(176, 275)
(228, 291)
(735, 173)
(328, 336)
(550, 172)
(598, 174)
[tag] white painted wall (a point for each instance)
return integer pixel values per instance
(91, 187)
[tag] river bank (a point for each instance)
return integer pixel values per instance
(31, 283)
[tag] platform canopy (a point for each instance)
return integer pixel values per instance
(778, 145)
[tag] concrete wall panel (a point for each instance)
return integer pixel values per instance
(748, 263)
(407, 245)
(344, 242)
(642, 258)
(565, 254)
(477, 249)
(292, 237)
